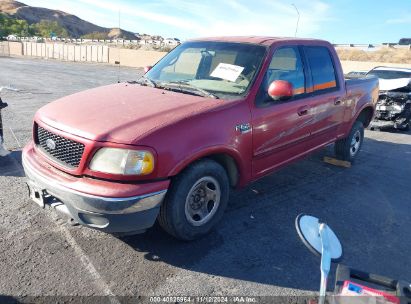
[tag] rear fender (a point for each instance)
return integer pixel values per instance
(365, 115)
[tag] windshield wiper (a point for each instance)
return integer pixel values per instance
(144, 80)
(187, 87)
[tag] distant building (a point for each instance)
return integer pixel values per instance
(150, 40)
(171, 42)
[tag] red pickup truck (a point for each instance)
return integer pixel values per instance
(212, 114)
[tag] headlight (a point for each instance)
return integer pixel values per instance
(397, 108)
(122, 161)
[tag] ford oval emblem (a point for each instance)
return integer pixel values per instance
(51, 144)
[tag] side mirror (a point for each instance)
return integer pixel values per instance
(147, 68)
(280, 90)
(315, 234)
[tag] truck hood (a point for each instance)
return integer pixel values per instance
(121, 113)
(393, 84)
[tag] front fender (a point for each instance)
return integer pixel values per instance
(243, 167)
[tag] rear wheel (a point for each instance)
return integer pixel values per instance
(348, 148)
(196, 200)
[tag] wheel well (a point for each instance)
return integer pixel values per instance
(365, 116)
(230, 166)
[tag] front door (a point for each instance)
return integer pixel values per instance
(281, 129)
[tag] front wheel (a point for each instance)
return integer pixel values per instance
(196, 200)
(348, 148)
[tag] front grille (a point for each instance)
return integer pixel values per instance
(65, 151)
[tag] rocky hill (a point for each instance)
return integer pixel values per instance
(75, 26)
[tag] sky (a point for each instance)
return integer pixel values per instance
(339, 21)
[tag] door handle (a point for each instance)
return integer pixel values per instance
(337, 102)
(303, 111)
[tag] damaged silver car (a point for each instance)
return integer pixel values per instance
(393, 108)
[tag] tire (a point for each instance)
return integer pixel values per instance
(406, 126)
(195, 201)
(348, 148)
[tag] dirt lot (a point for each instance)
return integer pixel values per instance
(254, 251)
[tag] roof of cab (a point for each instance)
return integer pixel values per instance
(262, 40)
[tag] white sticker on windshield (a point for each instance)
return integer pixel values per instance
(227, 71)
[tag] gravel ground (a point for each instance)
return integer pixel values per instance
(255, 251)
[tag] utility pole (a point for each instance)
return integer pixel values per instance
(298, 19)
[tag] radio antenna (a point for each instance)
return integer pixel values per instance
(298, 19)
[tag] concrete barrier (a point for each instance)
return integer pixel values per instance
(86, 53)
(4, 49)
(134, 58)
(16, 48)
(11, 48)
(66, 52)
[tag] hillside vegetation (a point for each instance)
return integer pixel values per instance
(20, 27)
(385, 54)
(26, 17)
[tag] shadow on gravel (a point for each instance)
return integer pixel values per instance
(10, 165)
(257, 241)
(8, 300)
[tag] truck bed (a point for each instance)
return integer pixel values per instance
(363, 85)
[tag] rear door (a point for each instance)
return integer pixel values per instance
(326, 95)
(281, 129)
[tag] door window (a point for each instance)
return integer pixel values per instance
(322, 68)
(286, 65)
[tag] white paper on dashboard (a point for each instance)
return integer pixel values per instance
(227, 71)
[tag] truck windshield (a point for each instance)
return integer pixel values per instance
(220, 68)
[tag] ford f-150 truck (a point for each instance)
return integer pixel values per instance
(213, 114)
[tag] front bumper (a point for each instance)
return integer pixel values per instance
(399, 123)
(114, 213)
(382, 124)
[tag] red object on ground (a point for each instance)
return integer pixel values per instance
(358, 290)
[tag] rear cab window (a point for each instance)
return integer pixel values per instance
(321, 65)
